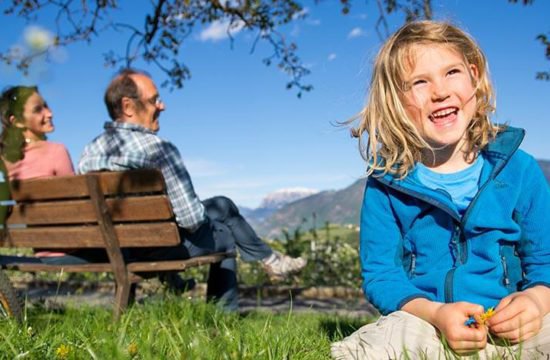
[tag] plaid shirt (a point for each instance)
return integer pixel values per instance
(125, 146)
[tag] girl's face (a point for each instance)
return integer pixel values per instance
(37, 117)
(440, 95)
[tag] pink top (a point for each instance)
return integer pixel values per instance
(42, 159)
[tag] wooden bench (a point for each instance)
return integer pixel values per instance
(109, 210)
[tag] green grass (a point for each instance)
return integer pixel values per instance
(175, 328)
(172, 328)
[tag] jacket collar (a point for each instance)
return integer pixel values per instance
(499, 151)
(497, 154)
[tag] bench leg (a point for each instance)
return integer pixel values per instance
(122, 297)
(10, 304)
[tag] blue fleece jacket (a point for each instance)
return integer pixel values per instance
(415, 244)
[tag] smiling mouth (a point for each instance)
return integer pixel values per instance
(443, 115)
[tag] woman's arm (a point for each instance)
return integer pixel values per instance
(62, 162)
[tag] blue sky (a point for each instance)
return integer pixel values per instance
(242, 134)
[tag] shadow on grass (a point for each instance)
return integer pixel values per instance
(338, 328)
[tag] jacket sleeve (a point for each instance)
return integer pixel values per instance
(385, 283)
(535, 227)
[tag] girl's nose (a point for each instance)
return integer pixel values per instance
(439, 91)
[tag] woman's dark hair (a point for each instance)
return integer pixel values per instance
(12, 103)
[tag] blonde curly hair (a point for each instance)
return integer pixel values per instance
(394, 144)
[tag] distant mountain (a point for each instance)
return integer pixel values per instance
(280, 198)
(340, 207)
(273, 202)
(254, 216)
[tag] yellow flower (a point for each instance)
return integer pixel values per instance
(488, 314)
(132, 349)
(63, 351)
(481, 319)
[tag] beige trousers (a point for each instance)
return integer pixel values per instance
(401, 335)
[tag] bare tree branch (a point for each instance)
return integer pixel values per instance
(165, 29)
(159, 39)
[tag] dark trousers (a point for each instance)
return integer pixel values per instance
(225, 230)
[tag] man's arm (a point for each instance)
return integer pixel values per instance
(187, 207)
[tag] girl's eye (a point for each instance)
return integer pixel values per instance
(418, 82)
(453, 71)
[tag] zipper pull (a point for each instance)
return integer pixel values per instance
(506, 281)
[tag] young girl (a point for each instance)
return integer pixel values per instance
(455, 217)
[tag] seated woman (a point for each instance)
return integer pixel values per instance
(29, 113)
(26, 119)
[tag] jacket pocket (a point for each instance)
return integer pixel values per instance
(512, 274)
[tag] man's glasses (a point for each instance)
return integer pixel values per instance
(155, 100)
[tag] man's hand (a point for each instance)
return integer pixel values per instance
(450, 320)
(519, 315)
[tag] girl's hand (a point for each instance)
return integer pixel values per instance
(519, 315)
(450, 319)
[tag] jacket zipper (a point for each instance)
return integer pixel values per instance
(456, 246)
(458, 259)
(413, 264)
(506, 280)
(449, 278)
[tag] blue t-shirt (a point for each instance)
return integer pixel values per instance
(462, 185)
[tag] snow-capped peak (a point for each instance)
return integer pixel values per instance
(279, 198)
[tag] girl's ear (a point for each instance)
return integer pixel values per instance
(12, 119)
(474, 72)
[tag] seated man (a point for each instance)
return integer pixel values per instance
(130, 142)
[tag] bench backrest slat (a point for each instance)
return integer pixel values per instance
(150, 208)
(62, 237)
(111, 183)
